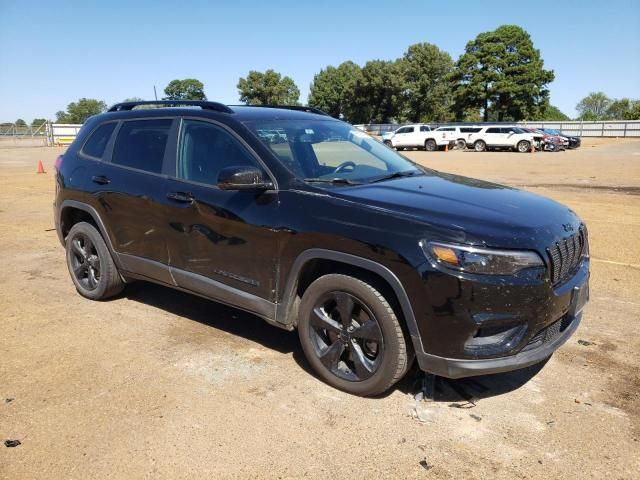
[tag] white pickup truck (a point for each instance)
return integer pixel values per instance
(409, 136)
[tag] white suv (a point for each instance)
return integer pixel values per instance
(504, 137)
(449, 135)
(409, 136)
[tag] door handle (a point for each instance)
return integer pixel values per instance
(100, 179)
(184, 197)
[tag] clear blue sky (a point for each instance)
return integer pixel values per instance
(54, 52)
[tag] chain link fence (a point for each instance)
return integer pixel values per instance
(8, 129)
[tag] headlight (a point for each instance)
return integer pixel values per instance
(483, 261)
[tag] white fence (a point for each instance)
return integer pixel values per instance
(623, 128)
(62, 133)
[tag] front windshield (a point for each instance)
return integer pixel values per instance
(329, 149)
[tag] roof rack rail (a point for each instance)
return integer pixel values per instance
(299, 108)
(218, 107)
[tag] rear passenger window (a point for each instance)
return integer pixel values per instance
(141, 144)
(97, 142)
(493, 130)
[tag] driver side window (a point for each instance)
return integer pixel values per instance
(205, 149)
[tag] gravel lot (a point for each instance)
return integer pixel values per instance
(160, 384)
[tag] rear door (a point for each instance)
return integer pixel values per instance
(220, 235)
(421, 134)
(131, 191)
(493, 136)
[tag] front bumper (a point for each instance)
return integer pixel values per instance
(480, 329)
(458, 368)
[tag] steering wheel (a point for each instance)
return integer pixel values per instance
(344, 165)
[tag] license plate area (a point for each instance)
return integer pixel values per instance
(579, 298)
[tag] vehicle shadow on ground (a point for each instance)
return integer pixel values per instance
(463, 392)
(215, 315)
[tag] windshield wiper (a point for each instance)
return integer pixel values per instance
(406, 173)
(335, 181)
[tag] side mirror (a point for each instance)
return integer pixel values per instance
(242, 178)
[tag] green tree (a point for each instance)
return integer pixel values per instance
(594, 106)
(187, 89)
(622, 109)
(332, 89)
(426, 71)
(378, 93)
(550, 112)
(38, 121)
(78, 112)
(20, 123)
(268, 88)
(503, 74)
(634, 111)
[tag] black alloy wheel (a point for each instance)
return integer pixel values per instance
(92, 269)
(351, 335)
(84, 260)
(346, 336)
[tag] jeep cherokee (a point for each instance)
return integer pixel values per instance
(312, 225)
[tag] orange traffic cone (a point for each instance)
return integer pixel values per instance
(40, 167)
(446, 147)
(533, 148)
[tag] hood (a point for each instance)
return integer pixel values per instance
(469, 210)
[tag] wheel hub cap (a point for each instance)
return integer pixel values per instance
(346, 336)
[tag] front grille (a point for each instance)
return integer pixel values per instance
(565, 256)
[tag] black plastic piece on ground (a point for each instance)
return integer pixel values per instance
(12, 443)
(428, 386)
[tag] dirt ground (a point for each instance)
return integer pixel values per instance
(160, 384)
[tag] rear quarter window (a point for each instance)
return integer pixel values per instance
(98, 140)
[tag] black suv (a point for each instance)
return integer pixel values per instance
(309, 223)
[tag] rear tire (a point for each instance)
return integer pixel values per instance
(430, 145)
(351, 336)
(461, 144)
(480, 146)
(90, 265)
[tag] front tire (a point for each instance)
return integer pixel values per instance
(524, 146)
(351, 336)
(480, 146)
(388, 143)
(91, 267)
